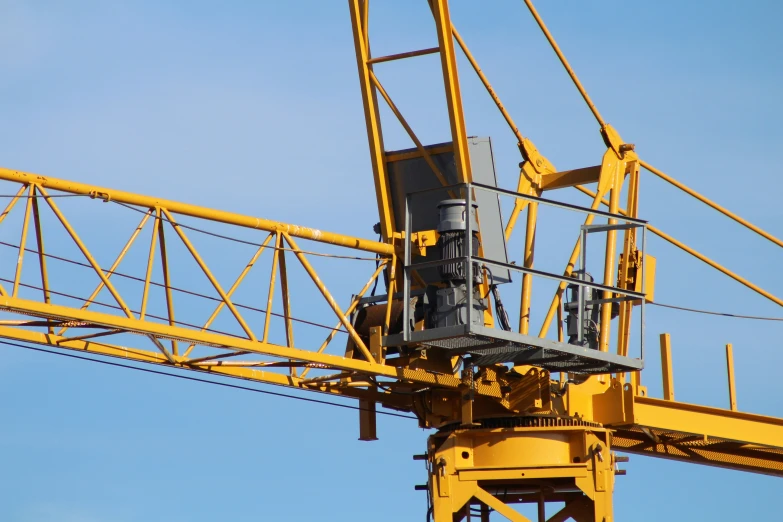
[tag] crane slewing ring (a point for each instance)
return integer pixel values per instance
(528, 421)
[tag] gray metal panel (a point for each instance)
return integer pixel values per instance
(493, 238)
(413, 174)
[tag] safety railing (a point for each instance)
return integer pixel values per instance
(470, 262)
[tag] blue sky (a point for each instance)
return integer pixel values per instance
(256, 108)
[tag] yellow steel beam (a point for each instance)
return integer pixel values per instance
(696, 254)
(164, 262)
(148, 357)
(730, 372)
(41, 254)
(499, 506)
(569, 178)
(527, 279)
(164, 331)
(354, 304)
(212, 279)
(704, 420)
(666, 367)
(361, 38)
(459, 136)
(699, 449)
(90, 259)
(114, 265)
(712, 204)
(412, 135)
(610, 262)
(185, 209)
(233, 288)
(150, 261)
(568, 270)
(12, 203)
(487, 85)
(565, 63)
(329, 299)
(272, 279)
(284, 290)
(23, 241)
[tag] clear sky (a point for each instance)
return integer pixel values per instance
(255, 107)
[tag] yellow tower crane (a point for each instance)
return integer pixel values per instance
(516, 415)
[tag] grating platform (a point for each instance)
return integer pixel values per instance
(489, 346)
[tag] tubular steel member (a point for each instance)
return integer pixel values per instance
(185, 209)
(371, 87)
(694, 253)
(523, 460)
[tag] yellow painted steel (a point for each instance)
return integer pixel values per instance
(349, 311)
(41, 253)
(23, 241)
(361, 36)
(666, 367)
(329, 299)
(699, 256)
(150, 261)
(284, 288)
(565, 63)
(627, 265)
(114, 265)
(86, 253)
(730, 375)
(614, 170)
(204, 338)
(185, 209)
(567, 272)
(12, 203)
(411, 134)
(272, 279)
(712, 204)
(164, 261)
(498, 468)
(459, 136)
(233, 288)
(487, 85)
(565, 434)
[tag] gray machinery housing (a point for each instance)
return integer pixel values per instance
(591, 312)
(443, 304)
(449, 308)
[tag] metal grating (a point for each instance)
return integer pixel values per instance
(488, 346)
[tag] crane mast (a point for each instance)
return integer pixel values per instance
(517, 416)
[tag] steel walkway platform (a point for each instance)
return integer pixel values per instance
(488, 346)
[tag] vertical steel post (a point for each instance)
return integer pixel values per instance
(666, 367)
(459, 136)
(644, 291)
(581, 288)
(23, 240)
(359, 22)
(406, 274)
(469, 251)
(730, 368)
(609, 260)
(527, 279)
